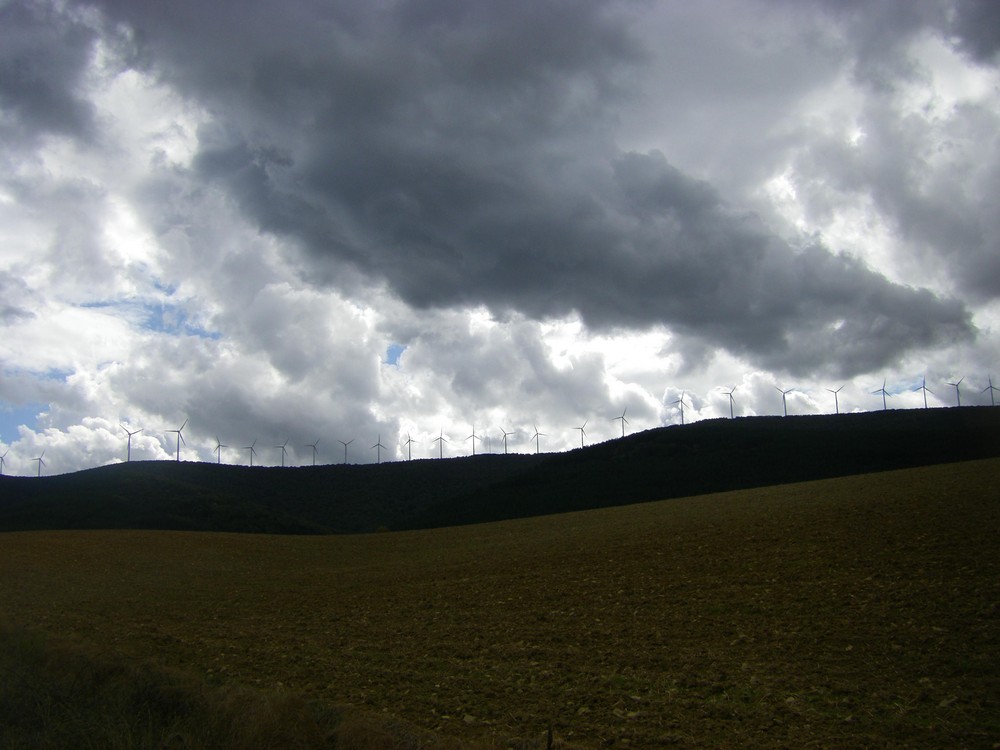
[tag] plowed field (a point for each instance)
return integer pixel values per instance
(857, 612)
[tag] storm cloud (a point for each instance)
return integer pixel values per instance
(462, 154)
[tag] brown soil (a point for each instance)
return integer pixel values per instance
(856, 612)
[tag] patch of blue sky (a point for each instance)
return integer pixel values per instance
(155, 316)
(167, 289)
(174, 320)
(13, 416)
(393, 352)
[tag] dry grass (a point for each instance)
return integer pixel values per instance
(858, 612)
(60, 694)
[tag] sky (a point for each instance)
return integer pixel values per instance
(380, 221)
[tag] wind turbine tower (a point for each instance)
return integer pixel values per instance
(130, 433)
(40, 463)
(884, 393)
(535, 437)
(314, 447)
(283, 450)
(218, 449)
(345, 447)
(958, 393)
(623, 421)
(583, 431)
(505, 434)
(991, 388)
(252, 450)
(784, 402)
(409, 450)
(680, 401)
(473, 437)
(378, 450)
(731, 400)
(836, 398)
(440, 440)
(923, 387)
(3, 460)
(180, 438)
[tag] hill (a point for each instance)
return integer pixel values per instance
(668, 462)
(857, 612)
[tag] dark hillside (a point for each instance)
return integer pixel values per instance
(189, 496)
(708, 456)
(723, 454)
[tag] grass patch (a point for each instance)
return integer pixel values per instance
(61, 694)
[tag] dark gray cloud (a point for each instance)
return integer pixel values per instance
(638, 244)
(976, 26)
(43, 55)
(461, 153)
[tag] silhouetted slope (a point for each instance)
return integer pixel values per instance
(212, 497)
(708, 456)
(723, 454)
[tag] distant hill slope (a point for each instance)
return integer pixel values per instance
(668, 462)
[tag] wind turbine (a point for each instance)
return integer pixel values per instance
(784, 402)
(283, 450)
(473, 437)
(836, 398)
(250, 448)
(128, 455)
(218, 449)
(923, 387)
(958, 393)
(731, 400)
(623, 420)
(378, 450)
(536, 436)
(440, 440)
(884, 393)
(990, 388)
(681, 402)
(505, 434)
(40, 463)
(345, 447)
(180, 438)
(3, 460)
(313, 446)
(408, 443)
(583, 430)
